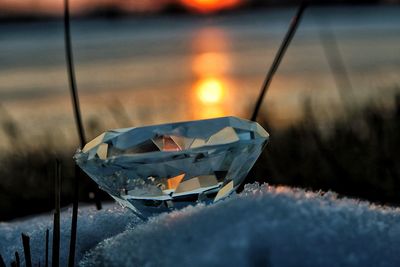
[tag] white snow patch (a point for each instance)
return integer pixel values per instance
(262, 226)
(93, 227)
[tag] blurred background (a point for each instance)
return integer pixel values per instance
(333, 109)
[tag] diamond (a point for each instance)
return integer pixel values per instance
(157, 168)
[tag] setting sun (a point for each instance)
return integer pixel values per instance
(210, 91)
(208, 6)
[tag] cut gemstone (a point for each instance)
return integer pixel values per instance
(162, 167)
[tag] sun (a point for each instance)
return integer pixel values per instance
(210, 91)
(209, 6)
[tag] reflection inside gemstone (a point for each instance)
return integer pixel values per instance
(158, 168)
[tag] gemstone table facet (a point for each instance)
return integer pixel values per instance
(157, 168)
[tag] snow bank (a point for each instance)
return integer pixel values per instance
(263, 226)
(93, 227)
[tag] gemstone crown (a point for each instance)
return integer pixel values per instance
(157, 168)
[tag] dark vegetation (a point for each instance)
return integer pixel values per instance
(357, 156)
(27, 182)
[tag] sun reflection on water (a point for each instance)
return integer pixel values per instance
(210, 94)
(210, 90)
(211, 65)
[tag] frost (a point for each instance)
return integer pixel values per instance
(262, 226)
(93, 227)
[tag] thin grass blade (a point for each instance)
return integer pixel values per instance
(17, 260)
(74, 222)
(56, 221)
(2, 263)
(46, 256)
(278, 57)
(27, 251)
(337, 66)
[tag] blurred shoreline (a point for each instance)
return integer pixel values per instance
(44, 10)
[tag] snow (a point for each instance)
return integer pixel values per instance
(262, 226)
(93, 227)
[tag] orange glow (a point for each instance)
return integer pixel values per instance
(210, 91)
(209, 6)
(169, 144)
(211, 64)
(210, 96)
(175, 181)
(211, 40)
(211, 112)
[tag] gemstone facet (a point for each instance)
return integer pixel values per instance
(157, 168)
